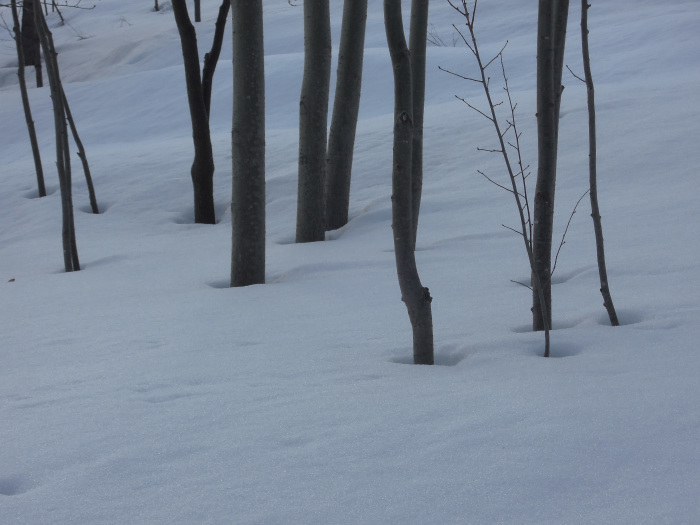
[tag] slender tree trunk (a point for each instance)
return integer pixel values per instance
(203, 164)
(25, 103)
(197, 11)
(346, 107)
(81, 154)
(417, 46)
(156, 8)
(592, 164)
(414, 295)
(248, 145)
(70, 251)
(313, 122)
(551, 37)
(211, 59)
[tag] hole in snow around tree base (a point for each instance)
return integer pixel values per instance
(446, 355)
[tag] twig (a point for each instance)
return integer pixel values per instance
(563, 237)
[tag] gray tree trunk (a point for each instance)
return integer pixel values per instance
(25, 103)
(70, 251)
(248, 145)
(197, 11)
(551, 39)
(346, 107)
(417, 46)
(203, 164)
(413, 293)
(313, 122)
(593, 177)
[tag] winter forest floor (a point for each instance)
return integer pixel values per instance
(143, 390)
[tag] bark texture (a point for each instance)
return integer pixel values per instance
(551, 38)
(592, 165)
(248, 145)
(31, 47)
(313, 122)
(346, 107)
(81, 154)
(417, 46)
(211, 59)
(25, 102)
(416, 297)
(202, 171)
(70, 251)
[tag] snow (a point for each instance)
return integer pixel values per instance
(143, 390)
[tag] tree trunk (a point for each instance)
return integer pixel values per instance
(81, 154)
(346, 107)
(31, 47)
(551, 37)
(414, 295)
(197, 11)
(248, 145)
(203, 165)
(313, 122)
(25, 103)
(156, 8)
(592, 164)
(417, 46)
(211, 59)
(70, 251)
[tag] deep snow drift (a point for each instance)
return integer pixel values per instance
(143, 390)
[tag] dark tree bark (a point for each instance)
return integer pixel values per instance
(248, 145)
(414, 295)
(31, 47)
(313, 122)
(70, 251)
(346, 107)
(25, 103)
(156, 8)
(592, 164)
(197, 11)
(81, 154)
(417, 46)
(551, 39)
(211, 59)
(203, 165)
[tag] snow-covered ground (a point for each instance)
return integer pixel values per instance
(143, 390)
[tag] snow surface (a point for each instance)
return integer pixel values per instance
(143, 390)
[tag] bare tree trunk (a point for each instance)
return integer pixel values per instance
(81, 154)
(313, 122)
(25, 103)
(248, 145)
(203, 164)
(70, 251)
(551, 37)
(592, 164)
(156, 8)
(414, 295)
(346, 107)
(211, 59)
(197, 11)
(417, 47)
(31, 46)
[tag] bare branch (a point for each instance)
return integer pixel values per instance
(563, 237)
(575, 75)
(522, 284)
